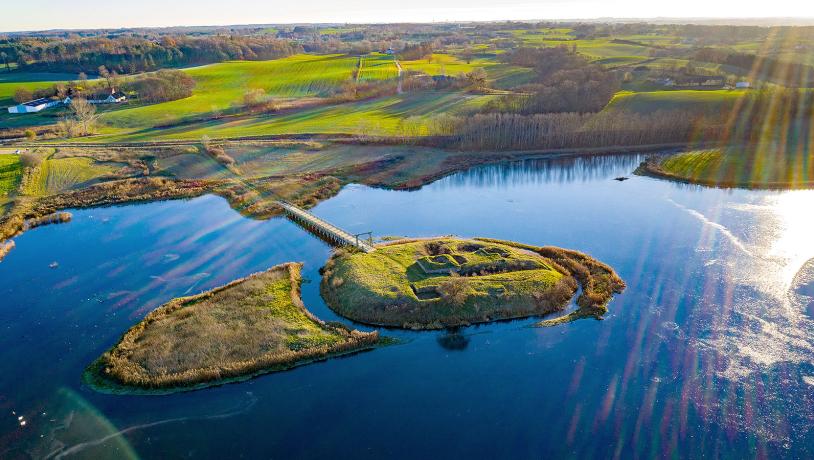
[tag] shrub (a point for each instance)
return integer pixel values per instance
(31, 159)
(163, 86)
(455, 290)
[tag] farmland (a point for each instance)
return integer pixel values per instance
(377, 66)
(650, 101)
(9, 174)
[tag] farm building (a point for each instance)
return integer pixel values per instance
(743, 85)
(114, 97)
(34, 106)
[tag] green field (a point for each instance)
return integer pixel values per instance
(383, 116)
(712, 101)
(223, 86)
(10, 171)
(378, 66)
(501, 76)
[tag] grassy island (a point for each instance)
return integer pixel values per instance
(251, 326)
(757, 167)
(445, 282)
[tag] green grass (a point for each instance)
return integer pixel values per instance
(223, 86)
(595, 49)
(765, 165)
(397, 285)
(693, 165)
(10, 172)
(500, 75)
(383, 116)
(711, 101)
(378, 66)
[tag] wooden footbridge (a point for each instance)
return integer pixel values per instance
(324, 229)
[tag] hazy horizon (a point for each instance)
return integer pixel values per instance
(38, 15)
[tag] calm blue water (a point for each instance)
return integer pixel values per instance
(709, 352)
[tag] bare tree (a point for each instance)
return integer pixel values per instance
(4, 57)
(104, 73)
(85, 114)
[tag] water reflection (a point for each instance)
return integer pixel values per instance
(546, 171)
(453, 340)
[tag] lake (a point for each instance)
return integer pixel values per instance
(709, 351)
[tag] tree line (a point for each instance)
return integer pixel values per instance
(511, 131)
(129, 54)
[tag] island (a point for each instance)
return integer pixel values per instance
(248, 327)
(448, 281)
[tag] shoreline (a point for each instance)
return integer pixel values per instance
(652, 168)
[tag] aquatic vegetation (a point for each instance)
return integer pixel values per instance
(254, 325)
(444, 282)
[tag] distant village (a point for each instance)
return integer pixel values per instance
(38, 105)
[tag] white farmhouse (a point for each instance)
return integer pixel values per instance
(115, 97)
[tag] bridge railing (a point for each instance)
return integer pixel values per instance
(333, 231)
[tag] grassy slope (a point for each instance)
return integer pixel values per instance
(501, 76)
(378, 66)
(647, 102)
(250, 325)
(693, 165)
(383, 116)
(221, 86)
(753, 166)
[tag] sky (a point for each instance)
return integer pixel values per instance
(18, 15)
